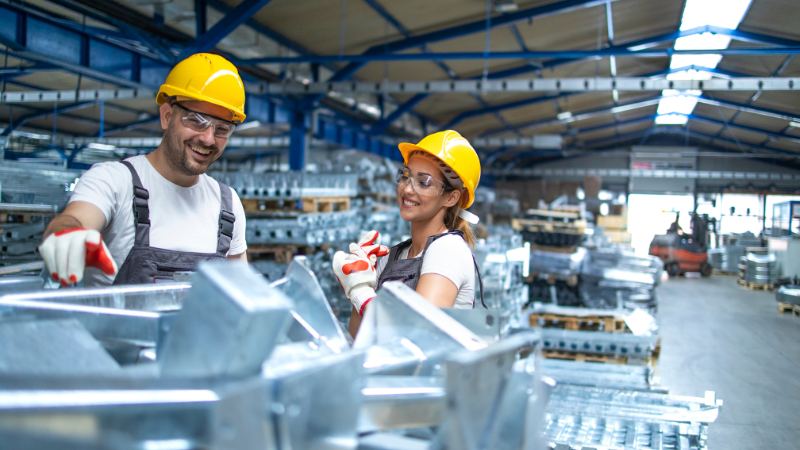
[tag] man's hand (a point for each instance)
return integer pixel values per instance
(68, 252)
(356, 275)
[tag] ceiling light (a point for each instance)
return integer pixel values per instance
(564, 115)
(98, 146)
(505, 6)
(249, 125)
(794, 124)
(672, 119)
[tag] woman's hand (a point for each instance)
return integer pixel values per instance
(356, 275)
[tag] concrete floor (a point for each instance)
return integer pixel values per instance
(718, 336)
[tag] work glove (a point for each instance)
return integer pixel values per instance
(370, 242)
(356, 275)
(68, 252)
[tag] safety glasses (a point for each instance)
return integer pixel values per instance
(200, 122)
(422, 183)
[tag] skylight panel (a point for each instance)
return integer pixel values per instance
(676, 105)
(672, 119)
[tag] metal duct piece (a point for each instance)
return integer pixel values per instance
(403, 333)
(230, 321)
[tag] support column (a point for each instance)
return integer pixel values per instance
(298, 141)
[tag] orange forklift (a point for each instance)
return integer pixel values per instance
(682, 252)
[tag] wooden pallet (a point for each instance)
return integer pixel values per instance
(307, 205)
(584, 357)
(786, 307)
(256, 206)
(552, 249)
(608, 324)
(282, 254)
(326, 204)
(576, 227)
(756, 286)
(723, 273)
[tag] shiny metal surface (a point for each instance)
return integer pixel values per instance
(620, 344)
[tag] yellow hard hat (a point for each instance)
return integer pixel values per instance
(455, 151)
(208, 78)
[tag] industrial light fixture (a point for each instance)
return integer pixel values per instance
(505, 6)
(99, 146)
(794, 124)
(248, 125)
(564, 115)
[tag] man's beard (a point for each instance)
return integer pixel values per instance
(175, 152)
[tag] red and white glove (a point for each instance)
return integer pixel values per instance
(68, 252)
(356, 275)
(370, 242)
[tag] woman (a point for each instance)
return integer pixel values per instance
(437, 180)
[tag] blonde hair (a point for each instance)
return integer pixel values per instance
(454, 222)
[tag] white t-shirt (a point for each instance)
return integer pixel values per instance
(450, 257)
(181, 219)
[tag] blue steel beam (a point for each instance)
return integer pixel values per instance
(409, 105)
(258, 27)
(556, 54)
(238, 16)
(382, 124)
(200, 17)
(462, 30)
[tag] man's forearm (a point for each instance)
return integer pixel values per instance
(62, 222)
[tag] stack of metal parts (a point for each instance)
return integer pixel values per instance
(18, 241)
(234, 362)
(388, 223)
(37, 184)
(611, 276)
(289, 185)
(585, 417)
(759, 269)
(308, 229)
(788, 294)
(726, 258)
(556, 277)
(503, 263)
(601, 343)
(31, 195)
(590, 374)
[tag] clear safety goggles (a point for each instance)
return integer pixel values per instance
(200, 122)
(422, 183)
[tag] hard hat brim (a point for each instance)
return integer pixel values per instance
(172, 91)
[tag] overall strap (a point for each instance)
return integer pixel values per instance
(394, 252)
(226, 219)
(480, 281)
(141, 210)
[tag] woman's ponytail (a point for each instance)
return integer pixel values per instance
(454, 222)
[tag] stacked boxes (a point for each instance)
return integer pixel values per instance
(616, 228)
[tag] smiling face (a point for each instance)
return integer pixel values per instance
(415, 207)
(187, 151)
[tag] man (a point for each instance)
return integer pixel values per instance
(158, 214)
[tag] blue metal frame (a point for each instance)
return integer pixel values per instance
(458, 31)
(555, 54)
(238, 16)
(340, 132)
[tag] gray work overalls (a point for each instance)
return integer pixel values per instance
(409, 270)
(145, 264)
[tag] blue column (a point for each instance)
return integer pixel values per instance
(297, 141)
